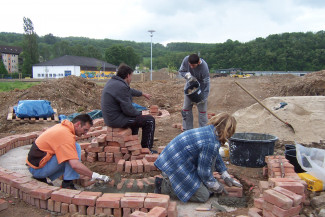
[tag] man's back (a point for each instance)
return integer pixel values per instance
(116, 103)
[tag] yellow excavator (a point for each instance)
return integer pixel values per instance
(240, 75)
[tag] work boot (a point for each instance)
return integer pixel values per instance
(68, 184)
(43, 180)
(153, 151)
(158, 182)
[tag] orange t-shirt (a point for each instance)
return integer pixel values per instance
(59, 140)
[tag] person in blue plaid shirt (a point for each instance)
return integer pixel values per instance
(189, 160)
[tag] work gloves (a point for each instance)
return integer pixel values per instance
(189, 77)
(230, 181)
(217, 187)
(98, 177)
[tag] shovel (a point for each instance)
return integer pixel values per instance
(286, 123)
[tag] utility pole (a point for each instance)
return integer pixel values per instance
(151, 31)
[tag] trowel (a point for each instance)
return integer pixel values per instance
(213, 206)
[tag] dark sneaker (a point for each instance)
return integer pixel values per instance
(154, 152)
(158, 182)
(41, 179)
(68, 184)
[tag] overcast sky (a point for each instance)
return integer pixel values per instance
(203, 21)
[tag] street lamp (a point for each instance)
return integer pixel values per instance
(151, 31)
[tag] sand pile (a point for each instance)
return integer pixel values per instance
(305, 113)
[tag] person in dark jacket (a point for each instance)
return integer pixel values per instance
(117, 108)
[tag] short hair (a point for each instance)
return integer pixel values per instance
(83, 118)
(225, 126)
(193, 59)
(124, 70)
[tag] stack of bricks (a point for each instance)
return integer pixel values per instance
(233, 191)
(65, 201)
(156, 112)
(279, 196)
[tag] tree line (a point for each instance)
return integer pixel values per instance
(278, 52)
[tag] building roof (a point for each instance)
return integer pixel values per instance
(68, 60)
(10, 50)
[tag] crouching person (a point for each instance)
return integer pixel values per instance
(189, 160)
(56, 153)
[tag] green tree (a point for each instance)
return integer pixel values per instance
(30, 47)
(118, 54)
(3, 70)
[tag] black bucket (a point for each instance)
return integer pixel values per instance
(195, 96)
(290, 155)
(250, 149)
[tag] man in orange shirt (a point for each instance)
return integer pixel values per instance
(56, 153)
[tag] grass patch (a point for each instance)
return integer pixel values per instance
(8, 86)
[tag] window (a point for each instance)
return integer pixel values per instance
(38, 75)
(54, 75)
(42, 75)
(50, 75)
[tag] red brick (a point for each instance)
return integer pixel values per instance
(297, 199)
(152, 202)
(295, 187)
(153, 195)
(64, 195)
(132, 202)
(151, 157)
(41, 193)
(64, 208)
(120, 185)
(134, 166)
(95, 149)
(108, 202)
(73, 208)
(157, 212)
(43, 204)
(146, 165)
(102, 138)
(285, 213)
(128, 166)
(117, 212)
(3, 204)
(57, 206)
(136, 152)
(135, 194)
(122, 133)
(112, 149)
(84, 199)
(91, 210)
(119, 195)
(28, 187)
(277, 199)
(50, 205)
(138, 214)
(120, 165)
(109, 157)
(131, 138)
(145, 151)
(115, 144)
(172, 209)
(130, 183)
(131, 143)
(258, 202)
(272, 181)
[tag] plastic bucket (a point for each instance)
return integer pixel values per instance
(196, 95)
(290, 155)
(250, 149)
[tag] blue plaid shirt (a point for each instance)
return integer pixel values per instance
(188, 159)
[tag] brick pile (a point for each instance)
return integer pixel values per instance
(156, 112)
(279, 196)
(233, 191)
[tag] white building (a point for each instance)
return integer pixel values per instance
(72, 65)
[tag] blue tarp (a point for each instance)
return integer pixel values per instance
(33, 108)
(96, 113)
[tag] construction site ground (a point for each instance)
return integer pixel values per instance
(74, 94)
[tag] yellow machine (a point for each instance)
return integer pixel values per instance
(240, 75)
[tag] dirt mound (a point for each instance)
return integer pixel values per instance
(312, 84)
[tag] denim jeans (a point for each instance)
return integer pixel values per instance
(54, 170)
